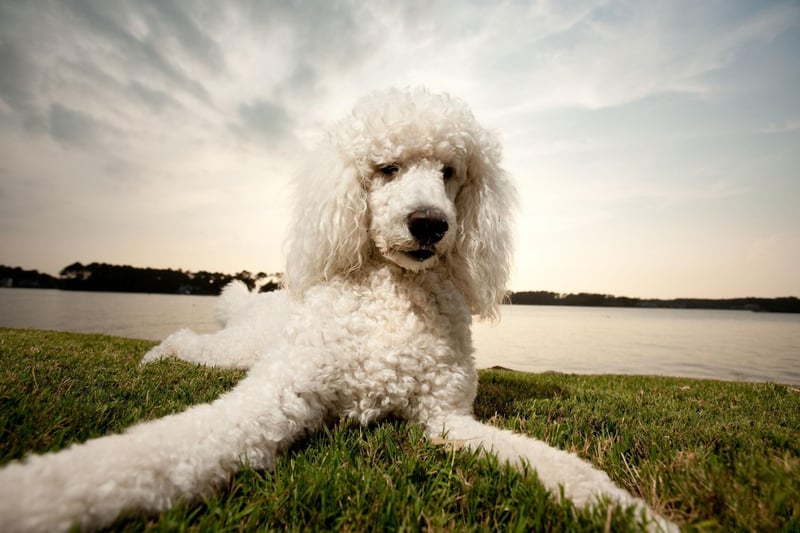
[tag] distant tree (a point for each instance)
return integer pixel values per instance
(75, 271)
(534, 298)
(270, 286)
(585, 299)
(19, 277)
(273, 283)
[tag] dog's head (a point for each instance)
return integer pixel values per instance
(409, 177)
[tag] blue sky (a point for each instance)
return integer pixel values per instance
(655, 145)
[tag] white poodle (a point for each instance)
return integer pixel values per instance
(400, 234)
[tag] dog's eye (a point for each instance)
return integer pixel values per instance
(389, 170)
(447, 173)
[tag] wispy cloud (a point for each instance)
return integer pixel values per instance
(782, 127)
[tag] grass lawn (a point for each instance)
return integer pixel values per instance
(711, 456)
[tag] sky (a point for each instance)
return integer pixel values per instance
(655, 145)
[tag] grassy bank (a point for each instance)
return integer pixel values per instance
(709, 455)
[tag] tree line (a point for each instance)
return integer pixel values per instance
(19, 277)
(789, 304)
(124, 278)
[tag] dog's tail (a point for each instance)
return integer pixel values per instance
(234, 297)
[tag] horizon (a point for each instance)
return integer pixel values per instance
(271, 275)
(655, 147)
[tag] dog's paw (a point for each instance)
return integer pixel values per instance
(179, 344)
(156, 354)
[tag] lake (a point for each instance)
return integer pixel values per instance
(728, 345)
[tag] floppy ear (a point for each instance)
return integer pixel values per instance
(328, 235)
(481, 262)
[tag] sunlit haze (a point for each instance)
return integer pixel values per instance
(655, 145)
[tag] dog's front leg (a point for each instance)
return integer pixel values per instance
(583, 484)
(151, 466)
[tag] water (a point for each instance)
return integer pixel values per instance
(729, 345)
(134, 315)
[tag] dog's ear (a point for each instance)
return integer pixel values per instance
(481, 262)
(328, 235)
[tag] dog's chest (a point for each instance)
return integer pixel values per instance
(396, 347)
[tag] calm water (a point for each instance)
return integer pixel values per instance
(730, 345)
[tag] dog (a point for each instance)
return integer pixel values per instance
(401, 233)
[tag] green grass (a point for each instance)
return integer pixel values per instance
(712, 456)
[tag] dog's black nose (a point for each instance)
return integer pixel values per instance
(427, 225)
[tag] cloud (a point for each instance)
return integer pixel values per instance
(155, 99)
(70, 126)
(782, 127)
(78, 52)
(146, 52)
(266, 118)
(15, 85)
(171, 21)
(609, 54)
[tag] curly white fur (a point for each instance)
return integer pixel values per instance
(400, 234)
